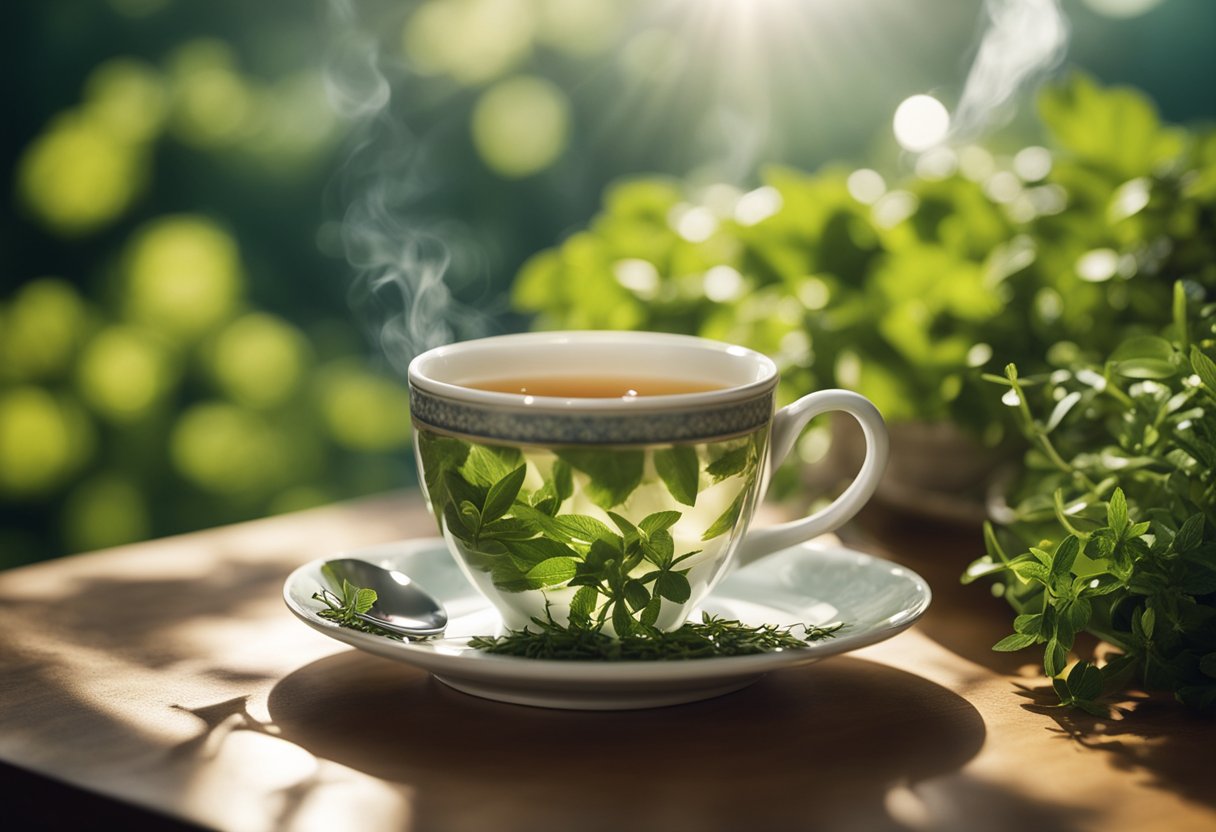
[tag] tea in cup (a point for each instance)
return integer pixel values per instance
(607, 479)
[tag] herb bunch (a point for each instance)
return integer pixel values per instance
(1113, 526)
(712, 637)
(345, 608)
(621, 573)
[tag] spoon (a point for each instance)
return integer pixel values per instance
(402, 606)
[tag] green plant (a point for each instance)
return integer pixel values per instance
(1113, 523)
(542, 524)
(908, 293)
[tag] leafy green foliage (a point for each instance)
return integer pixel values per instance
(1114, 519)
(944, 276)
(622, 571)
(712, 637)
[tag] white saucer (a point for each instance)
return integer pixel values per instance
(875, 598)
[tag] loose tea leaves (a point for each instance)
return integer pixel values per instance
(711, 637)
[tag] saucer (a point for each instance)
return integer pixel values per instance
(811, 584)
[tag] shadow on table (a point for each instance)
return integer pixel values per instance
(966, 620)
(1146, 733)
(784, 753)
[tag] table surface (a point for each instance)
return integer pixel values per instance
(170, 676)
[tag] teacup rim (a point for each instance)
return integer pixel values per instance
(418, 377)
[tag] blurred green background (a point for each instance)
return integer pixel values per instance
(185, 342)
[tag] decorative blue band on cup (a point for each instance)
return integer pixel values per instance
(582, 428)
(734, 389)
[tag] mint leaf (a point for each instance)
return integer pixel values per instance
(1116, 512)
(461, 491)
(1065, 556)
(614, 473)
(537, 550)
(673, 586)
(582, 605)
(660, 548)
(364, 600)
(726, 521)
(679, 468)
(1054, 658)
(552, 571)
(502, 494)
(659, 521)
(729, 464)
(487, 464)
(568, 528)
(1190, 535)
(1205, 368)
(439, 455)
(1017, 641)
(628, 531)
(636, 595)
(1085, 681)
(563, 480)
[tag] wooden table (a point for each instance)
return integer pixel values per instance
(169, 676)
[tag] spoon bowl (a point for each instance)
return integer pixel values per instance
(401, 606)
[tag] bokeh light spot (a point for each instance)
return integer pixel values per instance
(183, 276)
(520, 126)
(127, 98)
(259, 360)
(41, 330)
(123, 372)
(228, 450)
(362, 411)
(579, 27)
(44, 439)
(76, 178)
(471, 41)
(211, 101)
(921, 122)
(866, 186)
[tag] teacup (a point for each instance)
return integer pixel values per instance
(563, 502)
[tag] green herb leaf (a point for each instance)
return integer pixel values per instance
(1054, 658)
(636, 595)
(729, 464)
(673, 586)
(552, 572)
(658, 522)
(614, 473)
(1205, 368)
(1116, 512)
(1017, 641)
(364, 600)
(487, 464)
(679, 469)
(726, 521)
(582, 605)
(1065, 556)
(502, 494)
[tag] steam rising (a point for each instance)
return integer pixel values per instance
(1024, 39)
(406, 261)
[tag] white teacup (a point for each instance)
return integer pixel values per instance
(618, 511)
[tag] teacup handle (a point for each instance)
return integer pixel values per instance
(788, 423)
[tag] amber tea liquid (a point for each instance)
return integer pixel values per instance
(592, 387)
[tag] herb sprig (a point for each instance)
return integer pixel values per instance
(712, 637)
(1113, 527)
(344, 610)
(623, 569)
